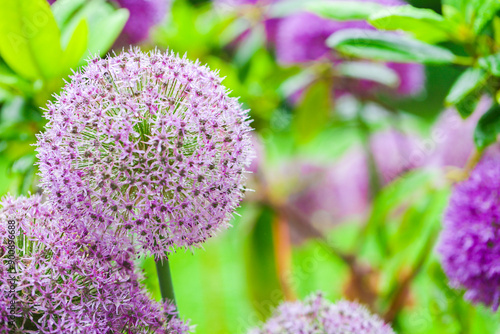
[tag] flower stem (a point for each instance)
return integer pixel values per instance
(165, 280)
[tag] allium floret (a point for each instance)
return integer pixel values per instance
(148, 144)
(316, 315)
(66, 283)
(470, 241)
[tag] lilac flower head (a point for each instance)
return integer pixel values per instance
(144, 14)
(470, 241)
(301, 38)
(316, 315)
(64, 285)
(148, 144)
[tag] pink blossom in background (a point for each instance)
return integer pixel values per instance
(342, 191)
(453, 137)
(301, 38)
(144, 15)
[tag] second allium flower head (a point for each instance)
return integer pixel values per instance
(147, 143)
(316, 315)
(470, 241)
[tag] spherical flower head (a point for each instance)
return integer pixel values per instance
(64, 283)
(144, 15)
(469, 244)
(295, 45)
(149, 145)
(316, 315)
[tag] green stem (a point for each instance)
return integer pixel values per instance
(374, 174)
(165, 280)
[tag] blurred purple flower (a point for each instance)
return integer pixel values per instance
(342, 191)
(149, 145)
(453, 137)
(470, 241)
(66, 284)
(317, 315)
(144, 15)
(301, 38)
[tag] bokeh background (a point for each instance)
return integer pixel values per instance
(355, 159)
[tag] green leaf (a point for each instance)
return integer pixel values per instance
(466, 91)
(112, 24)
(250, 45)
(296, 83)
(105, 24)
(485, 11)
(491, 64)
(399, 194)
(30, 38)
(423, 24)
(344, 10)
(476, 13)
(76, 46)
(387, 46)
(496, 29)
(311, 115)
(234, 30)
(10, 79)
(364, 70)
(488, 128)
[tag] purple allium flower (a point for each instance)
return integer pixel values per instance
(470, 241)
(65, 284)
(316, 315)
(144, 14)
(301, 38)
(148, 144)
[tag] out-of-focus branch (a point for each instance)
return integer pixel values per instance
(303, 225)
(458, 175)
(283, 254)
(473, 160)
(360, 285)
